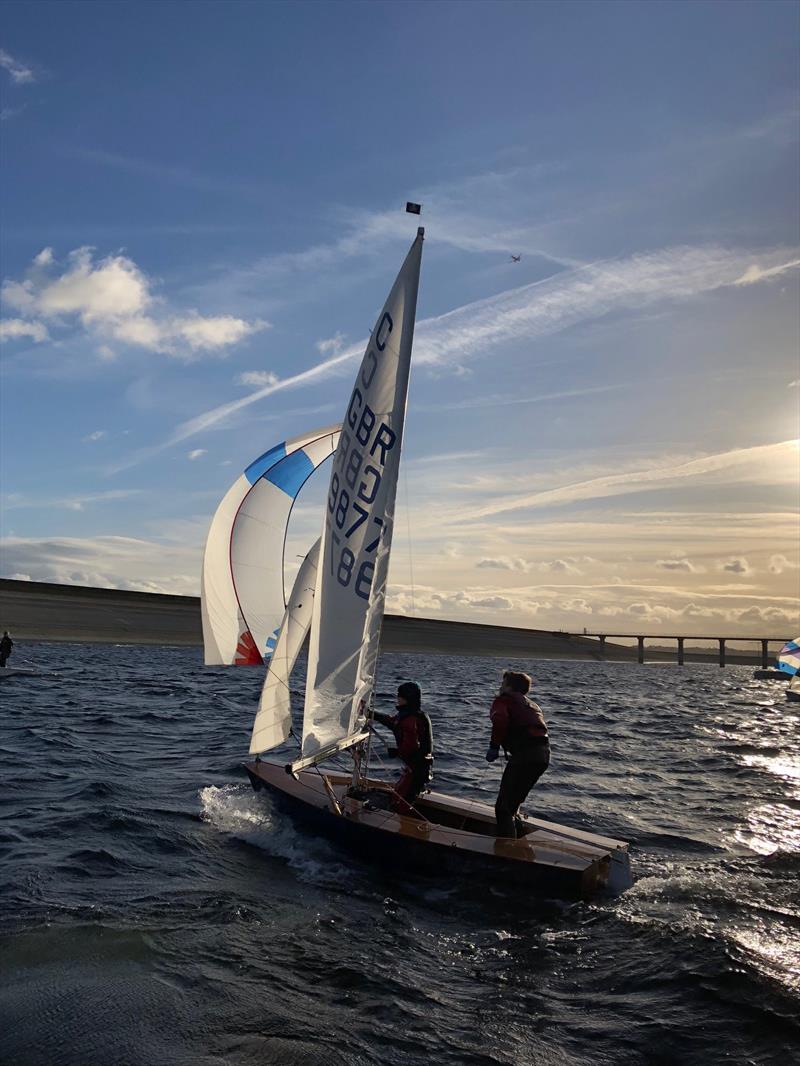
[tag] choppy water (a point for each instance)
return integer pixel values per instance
(155, 911)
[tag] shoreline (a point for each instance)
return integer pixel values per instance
(40, 612)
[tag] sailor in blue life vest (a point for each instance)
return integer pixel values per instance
(6, 644)
(519, 727)
(413, 735)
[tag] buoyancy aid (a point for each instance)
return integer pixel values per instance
(517, 723)
(413, 734)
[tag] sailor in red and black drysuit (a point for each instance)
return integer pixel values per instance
(518, 725)
(414, 737)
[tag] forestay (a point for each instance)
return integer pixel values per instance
(274, 718)
(357, 528)
(242, 591)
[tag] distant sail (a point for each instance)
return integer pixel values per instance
(789, 657)
(242, 591)
(357, 529)
(274, 717)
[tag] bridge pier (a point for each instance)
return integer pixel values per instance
(764, 655)
(641, 649)
(721, 650)
(602, 647)
(680, 651)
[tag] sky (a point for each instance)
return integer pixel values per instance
(203, 211)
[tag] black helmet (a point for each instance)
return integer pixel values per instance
(411, 694)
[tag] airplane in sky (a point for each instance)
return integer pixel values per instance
(516, 258)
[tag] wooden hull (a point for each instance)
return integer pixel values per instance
(454, 835)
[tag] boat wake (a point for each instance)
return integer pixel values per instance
(237, 811)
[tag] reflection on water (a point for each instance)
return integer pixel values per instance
(787, 767)
(773, 827)
(776, 949)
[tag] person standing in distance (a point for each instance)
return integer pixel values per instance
(6, 644)
(519, 727)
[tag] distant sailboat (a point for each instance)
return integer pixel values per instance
(339, 595)
(786, 665)
(789, 663)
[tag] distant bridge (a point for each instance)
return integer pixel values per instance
(721, 641)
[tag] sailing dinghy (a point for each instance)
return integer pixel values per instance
(339, 597)
(788, 663)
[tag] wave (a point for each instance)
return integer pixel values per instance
(237, 811)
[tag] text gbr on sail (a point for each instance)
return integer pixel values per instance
(356, 479)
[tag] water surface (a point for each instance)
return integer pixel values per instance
(155, 911)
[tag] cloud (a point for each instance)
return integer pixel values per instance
(735, 566)
(10, 112)
(16, 501)
(471, 403)
(589, 292)
(97, 435)
(114, 298)
(774, 616)
(679, 564)
(779, 563)
(755, 273)
(424, 598)
(738, 465)
(258, 378)
(20, 74)
(577, 606)
(14, 328)
(333, 344)
(535, 310)
(561, 566)
(196, 454)
(497, 603)
(105, 562)
(502, 563)
(212, 333)
(189, 177)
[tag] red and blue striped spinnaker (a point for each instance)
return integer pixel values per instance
(789, 657)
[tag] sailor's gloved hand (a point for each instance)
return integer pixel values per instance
(492, 753)
(393, 753)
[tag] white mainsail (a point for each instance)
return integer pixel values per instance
(357, 529)
(242, 590)
(274, 718)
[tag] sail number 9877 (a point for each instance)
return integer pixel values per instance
(340, 501)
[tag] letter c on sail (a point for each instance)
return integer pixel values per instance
(381, 335)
